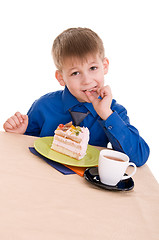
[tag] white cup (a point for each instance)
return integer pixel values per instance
(112, 166)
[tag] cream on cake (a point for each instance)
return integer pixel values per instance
(71, 141)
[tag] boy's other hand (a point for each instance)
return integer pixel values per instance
(16, 124)
(102, 106)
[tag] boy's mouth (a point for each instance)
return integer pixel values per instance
(94, 89)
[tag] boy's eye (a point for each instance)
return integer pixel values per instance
(74, 73)
(93, 68)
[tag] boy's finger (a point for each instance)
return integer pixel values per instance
(106, 90)
(25, 118)
(19, 116)
(12, 122)
(99, 91)
(7, 126)
(92, 96)
(16, 120)
(89, 96)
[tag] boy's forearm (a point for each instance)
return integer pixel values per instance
(125, 138)
(106, 114)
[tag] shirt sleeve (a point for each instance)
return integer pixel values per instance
(125, 137)
(35, 120)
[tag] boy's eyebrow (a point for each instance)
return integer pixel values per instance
(72, 69)
(76, 67)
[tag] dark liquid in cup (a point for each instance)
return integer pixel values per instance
(114, 158)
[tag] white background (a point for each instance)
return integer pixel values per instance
(129, 30)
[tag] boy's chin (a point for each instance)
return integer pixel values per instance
(84, 99)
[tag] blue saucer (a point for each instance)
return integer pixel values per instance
(92, 176)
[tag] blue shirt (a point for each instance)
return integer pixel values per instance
(52, 109)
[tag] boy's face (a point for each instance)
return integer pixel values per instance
(81, 76)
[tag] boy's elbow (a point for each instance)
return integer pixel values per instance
(142, 156)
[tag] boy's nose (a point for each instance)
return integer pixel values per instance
(86, 79)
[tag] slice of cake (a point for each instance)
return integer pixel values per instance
(71, 141)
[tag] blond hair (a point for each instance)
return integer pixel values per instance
(76, 42)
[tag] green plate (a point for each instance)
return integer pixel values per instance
(43, 146)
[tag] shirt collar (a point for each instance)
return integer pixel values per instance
(70, 101)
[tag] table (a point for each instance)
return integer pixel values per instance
(38, 202)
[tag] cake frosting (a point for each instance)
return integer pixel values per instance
(71, 140)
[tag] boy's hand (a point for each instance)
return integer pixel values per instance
(102, 106)
(16, 124)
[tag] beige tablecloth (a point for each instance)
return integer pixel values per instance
(38, 202)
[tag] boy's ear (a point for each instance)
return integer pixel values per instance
(59, 78)
(106, 65)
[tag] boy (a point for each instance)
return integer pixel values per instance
(78, 54)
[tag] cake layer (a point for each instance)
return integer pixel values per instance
(66, 141)
(68, 135)
(66, 152)
(70, 147)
